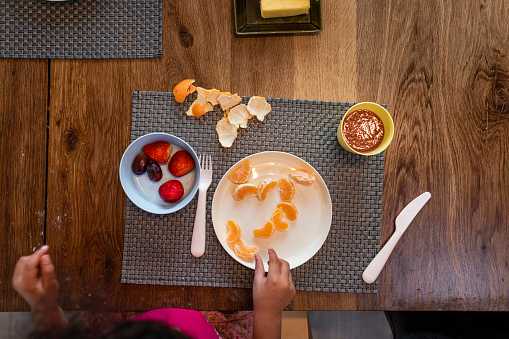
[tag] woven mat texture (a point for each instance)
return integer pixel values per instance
(157, 248)
(81, 29)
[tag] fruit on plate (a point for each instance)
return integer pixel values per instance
(286, 189)
(303, 176)
(289, 210)
(181, 163)
(233, 232)
(279, 220)
(265, 231)
(171, 191)
(244, 251)
(265, 186)
(158, 151)
(244, 190)
(242, 172)
(154, 171)
(139, 165)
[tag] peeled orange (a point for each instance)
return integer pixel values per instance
(286, 189)
(289, 210)
(279, 220)
(264, 187)
(244, 190)
(241, 173)
(233, 231)
(303, 176)
(244, 251)
(266, 231)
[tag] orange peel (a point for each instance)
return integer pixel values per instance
(239, 115)
(183, 89)
(227, 101)
(226, 132)
(210, 94)
(212, 97)
(258, 107)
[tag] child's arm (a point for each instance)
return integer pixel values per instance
(41, 292)
(271, 295)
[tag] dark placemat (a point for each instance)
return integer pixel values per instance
(81, 29)
(157, 248)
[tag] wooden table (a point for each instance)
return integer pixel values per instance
(442, 68)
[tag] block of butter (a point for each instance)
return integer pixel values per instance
(283, 8)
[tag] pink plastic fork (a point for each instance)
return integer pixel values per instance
(198, 240)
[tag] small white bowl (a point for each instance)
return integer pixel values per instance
(145, 193)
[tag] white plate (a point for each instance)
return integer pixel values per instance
(304, 237)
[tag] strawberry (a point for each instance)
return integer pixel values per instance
(158, 151)
(171, 191)
(181, 163)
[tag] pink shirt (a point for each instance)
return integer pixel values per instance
(191, 323)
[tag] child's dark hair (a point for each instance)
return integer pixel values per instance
(145, 330)
(128, 330)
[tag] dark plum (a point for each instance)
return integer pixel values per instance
(140, 163)
(154, 171)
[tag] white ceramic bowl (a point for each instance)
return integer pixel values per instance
(145, 193)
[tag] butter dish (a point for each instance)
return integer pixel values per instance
(248, 20)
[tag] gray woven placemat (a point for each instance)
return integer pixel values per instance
(81, 29)
(157, 248)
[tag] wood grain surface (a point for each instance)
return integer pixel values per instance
(440, 66)
(23, 133)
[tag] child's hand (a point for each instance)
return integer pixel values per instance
(34, 278)
(39, 292)
(273, 293)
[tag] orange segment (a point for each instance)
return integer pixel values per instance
(244, 251)
(286, 189)
(266, 231)
(303, 176)
(244, 190)
(241, 173)
(182, 90)
(264, 187)
(279, 220)
(289, 210)
(233, 231)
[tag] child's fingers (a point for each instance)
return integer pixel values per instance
(33, 262)
(259, 271)
(285, 267)
(274, 268)
(19, 270)
(47, 272)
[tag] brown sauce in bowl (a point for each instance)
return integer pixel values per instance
(363, 130)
